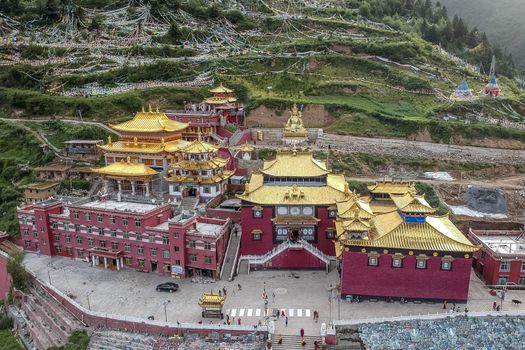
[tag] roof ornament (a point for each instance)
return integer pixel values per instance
(110, 141)
(128, 159)
(162, 142)
(135, 142)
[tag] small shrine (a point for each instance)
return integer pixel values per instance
(463, 92)
(211, 305)
(294, 132)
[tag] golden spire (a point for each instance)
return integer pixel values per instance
(110, 141)
(128, 159)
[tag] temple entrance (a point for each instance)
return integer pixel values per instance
(192, 192)
(153, 266)
(294, 235)
(114, 262)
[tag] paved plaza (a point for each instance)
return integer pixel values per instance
(299, 293)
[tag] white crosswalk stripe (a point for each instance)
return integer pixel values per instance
(253, 312)
(241, 312)
(299, 312)
(233, 313)
(307, 312)
(290, 312)
(249, 314)
(257, 312)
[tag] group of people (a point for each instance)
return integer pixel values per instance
(303, 341)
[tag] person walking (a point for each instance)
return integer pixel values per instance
(280, 341)
(302, 332)
(239, 321)
(224, 291)
(286, 321)
(494, 305)
(239, 286)
(273, 297)
(303, 343)
(445, 305)
(316, 345)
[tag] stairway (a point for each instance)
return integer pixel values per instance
(189, 203)
(293, 342)
(231, 254)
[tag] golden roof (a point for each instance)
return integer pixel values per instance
(210, 299)
(150, 122)
(125, 169)
(392, 187)
(294, 127)
(294, 163)
(381, 206)
(201, 164)
(221, 89)
(219, 100)
(246, 147)
(144, 147)
(201, 179)
(356, 225)
(41, 185)
(354, 208)
(257, 192)
(198, 147)
(437, 233)
(410, 203)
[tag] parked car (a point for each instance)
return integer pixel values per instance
(167, 287)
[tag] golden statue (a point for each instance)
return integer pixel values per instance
(294, 131)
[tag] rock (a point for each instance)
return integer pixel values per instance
(485, 200)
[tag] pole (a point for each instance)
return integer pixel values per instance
(49, 276)
(165, 310)
(89, 305)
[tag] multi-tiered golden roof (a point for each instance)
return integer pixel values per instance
(150, 122)
(221, 95)
(126, 169)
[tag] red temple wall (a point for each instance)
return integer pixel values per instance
(5, 280)
(357, 278)
(489, 266)
(249, 223)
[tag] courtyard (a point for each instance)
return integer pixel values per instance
(298, 293)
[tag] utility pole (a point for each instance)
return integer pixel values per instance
(165, 310)
(87, 295)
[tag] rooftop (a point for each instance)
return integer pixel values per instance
(120, 206)
(207, 229)
(150, 122)
(126, 169)
(41, 185)
(89, 142)
(295, 163)
(510, 242)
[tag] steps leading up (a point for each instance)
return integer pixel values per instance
(294, 342)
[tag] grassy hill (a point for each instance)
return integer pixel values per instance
(502, 20)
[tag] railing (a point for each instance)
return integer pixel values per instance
(299, 244)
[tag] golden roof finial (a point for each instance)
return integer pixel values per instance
(110, 141)
(128, 159)
(135, 141)
(149, 108)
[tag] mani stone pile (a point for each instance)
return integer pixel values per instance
(461, 333)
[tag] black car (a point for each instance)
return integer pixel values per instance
(167, 287)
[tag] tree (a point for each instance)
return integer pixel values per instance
(18, 273)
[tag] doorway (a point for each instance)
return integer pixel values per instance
(153, 266)
(295, 235)
(192, 192)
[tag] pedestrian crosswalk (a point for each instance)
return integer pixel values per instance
(257, 312)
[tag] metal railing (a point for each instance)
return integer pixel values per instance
(299, 244)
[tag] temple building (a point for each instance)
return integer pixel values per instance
(403, 252)
(200, 173)
(287, 212)
(294, 132)
(150, 138)
(210, 117)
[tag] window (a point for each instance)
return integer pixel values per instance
(151, 238)
(503, 280)
(421, 263)
(523, 266)
(125, 221)
(44, 242)
(206, 189)
(42, 229)
(193, 257)
(446, 265)
(257, 213)
(191, 244)
(138, 236)
(153, 251)
(80, 252)
(175, 235)
(39, 216)
(66, 227)
(522, 280)
(330, 233)
(504, 265)
(114, 245)
(111, 219)
(373, 260)
(113, 233)
(166, 254)
(140, 249)
(165, 240)
(58, 249)
(89, 229)
(79, 240)
(88, 216)
(56, 237)
(332, 213)
(100, 218)
(207, 259)
(397, 261)
(177, 262)
(77, 228)
(75, 214)
(68, 239)
(141, 262)
(138, 222)
(127, 261)
(207, 245)
(26, 232)
(69, 251)
(54, 226)
(127, 247)
(176, 248)
(35, 234)
(125, 235)
(102, 244)
(256, 235)
(90, 242)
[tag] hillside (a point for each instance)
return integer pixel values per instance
(364, 61)
(502, 20)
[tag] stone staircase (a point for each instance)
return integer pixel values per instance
(218, 139)
(114, 340)
(231, 255)
(189, 203)
(299, 244)
(293, 342)
(236, 137)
